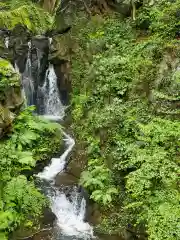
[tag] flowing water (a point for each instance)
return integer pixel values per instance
(70, 210)
(27, 80)
(53, 105)
(6, 42)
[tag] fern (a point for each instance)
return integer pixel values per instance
(26, 158)
(32, 139)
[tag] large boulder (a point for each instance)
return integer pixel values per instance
(10, 86)
(6, 118)
(11, 97)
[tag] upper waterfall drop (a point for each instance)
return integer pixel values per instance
(27, 80)
(53, 105)
(40, 88)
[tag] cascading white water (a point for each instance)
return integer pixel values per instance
(27, 81)
(50, 41)
(70, 213)
(57, 164)
(53, 105)
(6, 42)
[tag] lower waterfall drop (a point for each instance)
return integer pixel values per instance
(70, 215)
(70, 211)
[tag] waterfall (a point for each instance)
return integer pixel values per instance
(70, 212)
(46, 97)
(53, 105)
(70, 215)
(50, 41)
(27, 81)
(6, 42)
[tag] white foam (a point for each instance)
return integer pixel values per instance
(57, 164)
(6, 42)
(70, 217)
(53, 105)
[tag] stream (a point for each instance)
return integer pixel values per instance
(67, 202)
(69, 210)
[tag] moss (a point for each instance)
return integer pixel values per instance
(31, 16)
(8, 78)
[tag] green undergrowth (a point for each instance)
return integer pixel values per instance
(8, 78)
(32, 139)
(125, 109)
(26, 14)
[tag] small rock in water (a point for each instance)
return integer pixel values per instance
(65, 179)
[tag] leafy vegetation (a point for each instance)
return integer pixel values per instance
(32, 139)
(26, 141)
(125, 109)
(8, 78)
(26, 13)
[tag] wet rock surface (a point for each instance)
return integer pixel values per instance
(65, 179)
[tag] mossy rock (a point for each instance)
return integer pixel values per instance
(10, 86)
(30, 16)
(6, 119)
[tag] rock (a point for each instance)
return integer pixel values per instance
(103, 236)
(6, 119)
(20, 57)
(11, 95)
(45, 228)
(4, 32)
(77, 161)
(41, 42)
(74, 168)
(62, 70)
(54, 32)
(93, 214)
(65, 179)
(121, 7)
(48, 218)
(11, 98)
(42, 235)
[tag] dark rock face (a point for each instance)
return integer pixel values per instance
(48, 218)
(121, 7)
(17, 47)
(62, 70)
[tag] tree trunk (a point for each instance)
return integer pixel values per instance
(133, 10)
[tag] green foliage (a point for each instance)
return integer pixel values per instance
(97, 179)
(28, 15)
(32, 139)
(162, 17)
(8, 77)
(23, 200)
(121, 86)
